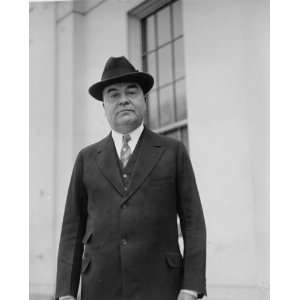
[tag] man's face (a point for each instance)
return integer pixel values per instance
(124, 105)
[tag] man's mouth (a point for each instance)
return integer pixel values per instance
(125, 110)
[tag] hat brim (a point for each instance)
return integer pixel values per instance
(145, 80)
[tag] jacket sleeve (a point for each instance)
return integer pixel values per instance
(192, 225)
(70, 246)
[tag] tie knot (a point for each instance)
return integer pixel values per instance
(126, 138)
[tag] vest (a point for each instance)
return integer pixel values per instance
(126, 173)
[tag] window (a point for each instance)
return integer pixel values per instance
(160, 52)
(163, 57)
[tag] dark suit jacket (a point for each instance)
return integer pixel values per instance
(124, 244)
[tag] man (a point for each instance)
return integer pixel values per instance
(119, 231)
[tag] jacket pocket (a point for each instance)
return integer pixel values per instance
(87, 236)
(90, 239)
(85, 262)
(174, 260)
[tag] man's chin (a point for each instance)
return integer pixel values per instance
(126, 119)
(126, 125)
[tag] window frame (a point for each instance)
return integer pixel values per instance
(136, 40)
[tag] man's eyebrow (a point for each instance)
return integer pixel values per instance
(112, 89)
(131, 86)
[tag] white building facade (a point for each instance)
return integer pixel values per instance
(210, 60)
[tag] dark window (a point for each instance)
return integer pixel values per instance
(163, 57)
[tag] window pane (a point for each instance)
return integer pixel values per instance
(179, 58)
(177, 19)
(184, 137)
(151, 66)
(164, 25)
(150, 33)
(180, 100)
(166, 105)
(165, 65)
(153, 110)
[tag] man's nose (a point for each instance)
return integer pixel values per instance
(124, 99)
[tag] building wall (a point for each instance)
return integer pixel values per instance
(42, 147)
(227, 92)
(226, 58)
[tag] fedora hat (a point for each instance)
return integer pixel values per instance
(119, 69)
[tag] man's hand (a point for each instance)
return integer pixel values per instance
(185, 296)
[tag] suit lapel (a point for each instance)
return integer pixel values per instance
(149, 155)
(106, 159)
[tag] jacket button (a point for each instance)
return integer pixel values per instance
(124, 242)
(124, 175)
(123, 205)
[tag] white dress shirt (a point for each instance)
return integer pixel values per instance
(118, 140)
(134, 135)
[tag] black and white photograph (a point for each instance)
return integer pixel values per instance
(149, 150)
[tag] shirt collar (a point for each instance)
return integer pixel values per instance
(135, 135)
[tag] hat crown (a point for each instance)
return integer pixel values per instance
(117, 66)
(119, 69)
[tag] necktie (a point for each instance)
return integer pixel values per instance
(125, 150)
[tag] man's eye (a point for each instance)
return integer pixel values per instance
(114, 95)
(132, 92)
